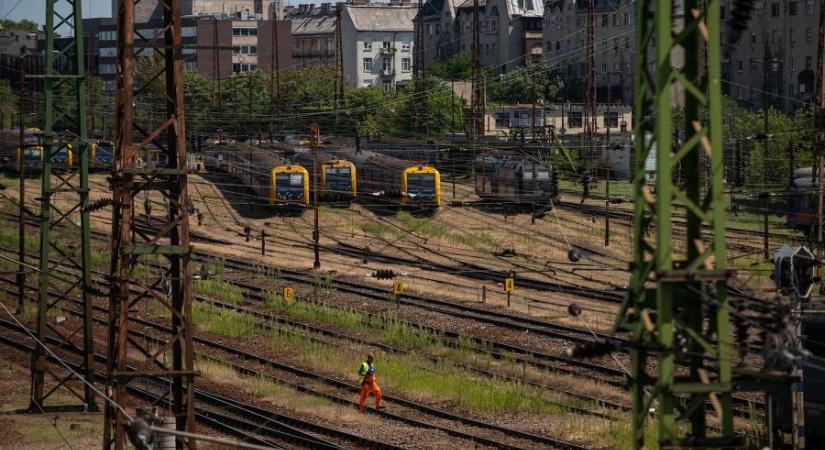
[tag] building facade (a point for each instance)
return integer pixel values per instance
(510, 31)
(378, 45)
(313, 34)
(777, 54)
(565, 43)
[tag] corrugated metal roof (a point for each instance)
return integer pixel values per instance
(382, 18)
(313, 25)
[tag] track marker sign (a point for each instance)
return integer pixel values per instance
(289, 294)
(397, 287)
(509, 284)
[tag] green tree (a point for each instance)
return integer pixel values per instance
(527, 84)
(457, 67)
(23, 25)
(370, 111)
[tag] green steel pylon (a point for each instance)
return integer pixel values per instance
(677, 305)
(64, 202)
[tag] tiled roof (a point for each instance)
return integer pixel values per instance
(382, 18)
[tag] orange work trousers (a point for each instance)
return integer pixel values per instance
(368, 387)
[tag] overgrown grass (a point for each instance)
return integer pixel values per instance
(423, 225)
(418, 377)
(376, 229)
(392, 330)
(220, 321)
(217, 266)
(218, 289)
(272, 274)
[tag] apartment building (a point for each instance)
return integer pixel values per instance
(777, 54)
(150, 10)
(378, 44)
(565, 43)
(313, 34)
(510, 31)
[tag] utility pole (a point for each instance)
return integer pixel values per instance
(72, 189)
(765, 100)
(419, 109)
(315, 138)
(339, 59)
(274, 72)
(589, 113)
(167, 241)
(216, 68)
(476, 100)
(608, 147)
(820, 127)
(21, 222)
(672, 296)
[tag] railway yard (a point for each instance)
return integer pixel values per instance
(388, 240)
(459, 359)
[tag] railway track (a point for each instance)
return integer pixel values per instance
(244, 421)
(519, 439)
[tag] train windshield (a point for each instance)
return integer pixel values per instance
(61, 155)
(421, 185)
(339, 179)
(31, 154)
(289, 186)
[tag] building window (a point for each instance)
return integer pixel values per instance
(493, 26)
(244, 31)
(809, 8)
(367, 64)
(753, 38)
(108, 52)
(405, 46)
(387, 86)
(236, 49)
(626, 19)
(236, 68)
(792, 8)
(774, 9)
(366, 83)
(605, 20)
(574, 119)
(626, 42)
(613, 120)
(429, 29)
(106, 68)
(406, 64)
(386, 44)
(615, 43)
(791, 65)
(253, 50)
(615, 20)
(107, 35)
(188, 31)
(740, 66)
(808, 63)
(809, 35)
(386, 65)
(367, 45)
(190, 66)
(791, 36)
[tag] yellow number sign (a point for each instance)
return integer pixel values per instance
(509, 284)
(289, 294)
(397, 287)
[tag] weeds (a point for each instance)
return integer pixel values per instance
(217, 266)
(219, 321)
(219, 289)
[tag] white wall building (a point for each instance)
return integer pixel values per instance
(377, 45)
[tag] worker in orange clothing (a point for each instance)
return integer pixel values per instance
(368, 385)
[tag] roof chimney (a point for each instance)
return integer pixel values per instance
(325, 9)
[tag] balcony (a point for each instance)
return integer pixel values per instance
(387, 51)
(387, 73)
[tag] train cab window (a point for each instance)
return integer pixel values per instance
(421, 185)
(338, 178)
(289, 185)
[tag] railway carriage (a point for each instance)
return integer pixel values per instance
(281, 182)
(337, 177)
(515, 182)
(101, 156)
(801, 201)
(397, 181)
